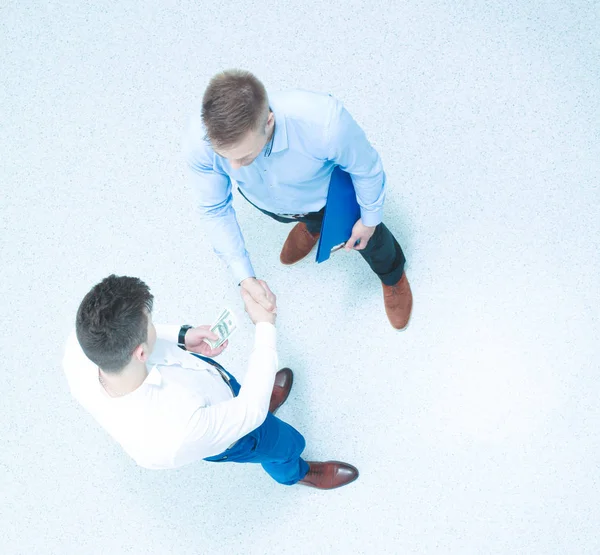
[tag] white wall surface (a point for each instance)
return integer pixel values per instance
(476, 431)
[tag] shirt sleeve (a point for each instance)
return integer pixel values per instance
(168, 332)
(212, 190)
(212, 429)
(348, 146)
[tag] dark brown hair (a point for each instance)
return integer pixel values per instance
(234, 103)
(112, 321)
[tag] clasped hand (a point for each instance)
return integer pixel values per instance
(260, 304)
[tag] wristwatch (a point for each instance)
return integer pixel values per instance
(181, 338)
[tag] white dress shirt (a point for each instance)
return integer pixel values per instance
(184, 410)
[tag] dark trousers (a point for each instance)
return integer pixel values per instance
(275, 445)
(382, 253)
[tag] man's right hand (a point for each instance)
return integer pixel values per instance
(260, 292)
(256, 312)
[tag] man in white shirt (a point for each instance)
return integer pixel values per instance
(155, 391)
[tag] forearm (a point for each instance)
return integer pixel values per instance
(167, 332)
(262, 367)
(370, 194)
(248, 410)
(369, 180)
(214, 428)
(227, 241)
(350, 149)
(212, 193)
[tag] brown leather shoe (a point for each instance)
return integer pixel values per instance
(283, 383)
(329, 475)
(398, 302)
(299, 243)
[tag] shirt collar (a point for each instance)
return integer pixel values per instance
(154, 377)
(280, 140)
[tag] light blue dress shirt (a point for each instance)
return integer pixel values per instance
(313, 134)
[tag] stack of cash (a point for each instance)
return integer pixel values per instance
(225, 325)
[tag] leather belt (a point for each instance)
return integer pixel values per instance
(225, 378)
(292, 216)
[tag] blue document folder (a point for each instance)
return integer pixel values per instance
(341, 213)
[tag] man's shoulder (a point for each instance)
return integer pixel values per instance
(195, 145)
(79, 370)
(74, 356)
(304, 106)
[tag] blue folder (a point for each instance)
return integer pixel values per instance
(341, 213)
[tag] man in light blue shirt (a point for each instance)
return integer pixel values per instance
(281, 149)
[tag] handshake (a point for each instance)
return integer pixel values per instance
(259, 300)
(260, 304)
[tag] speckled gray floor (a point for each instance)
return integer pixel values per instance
(475, 431)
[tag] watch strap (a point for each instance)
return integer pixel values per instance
(181, 337)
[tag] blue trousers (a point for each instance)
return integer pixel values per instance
(274, 444)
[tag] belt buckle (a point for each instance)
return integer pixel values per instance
(223, 375)
(292, 216)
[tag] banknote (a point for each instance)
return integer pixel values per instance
(224, 326)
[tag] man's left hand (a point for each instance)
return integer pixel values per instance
(194, 341)
(362, 233)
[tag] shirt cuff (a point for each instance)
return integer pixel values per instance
(242, 269)
(265, 336)
(168, 332)
(371, 218)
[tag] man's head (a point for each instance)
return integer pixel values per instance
(114, 323)
(236, 115)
